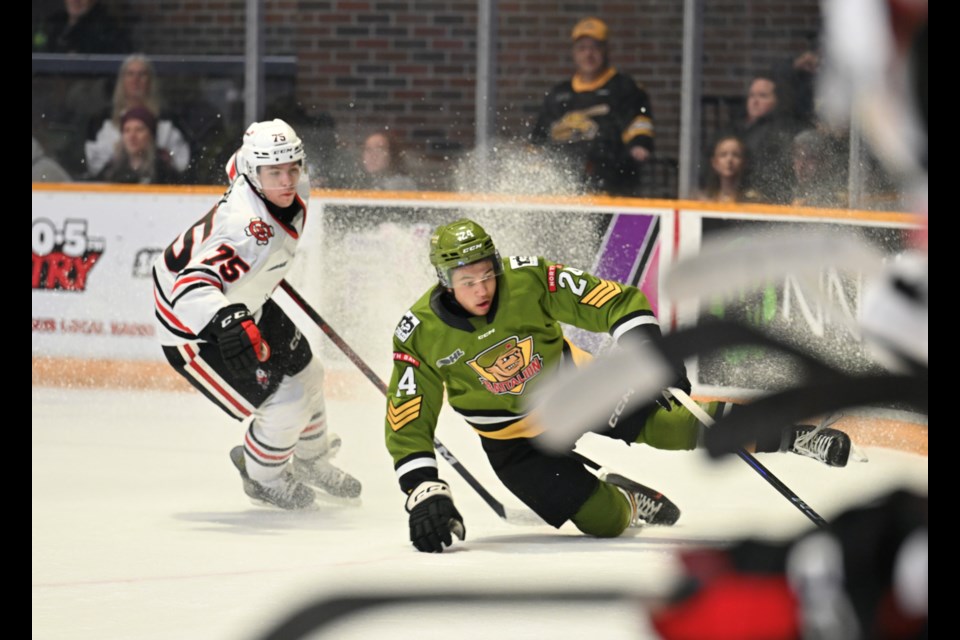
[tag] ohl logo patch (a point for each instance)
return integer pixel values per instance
(259, 230)
(508, 365)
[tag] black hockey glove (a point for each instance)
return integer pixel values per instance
(234, 331)
(651, 333)
(433, 517)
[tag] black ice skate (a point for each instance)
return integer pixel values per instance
(285, 492)
(322, 474)
(829, 446)
(319, 472)
(649, 506)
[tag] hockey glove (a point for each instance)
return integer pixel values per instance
(650, 333)
(433, 517)
(241, 346)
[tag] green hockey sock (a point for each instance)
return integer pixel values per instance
(605, 514)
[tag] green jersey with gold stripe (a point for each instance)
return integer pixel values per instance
(489, 365)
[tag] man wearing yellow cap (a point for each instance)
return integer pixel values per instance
(599, 122)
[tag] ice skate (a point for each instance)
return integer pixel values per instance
(285, 492)
(319, 472)
(829, 446)
(649, 506)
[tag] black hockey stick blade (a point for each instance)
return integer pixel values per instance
(583, 399)
(751, 460)
(753, 421)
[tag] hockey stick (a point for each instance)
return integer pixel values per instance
(750, 421)
(514, 516)
(560, 403)
(723, 267)
(794, 499)
(892, 320)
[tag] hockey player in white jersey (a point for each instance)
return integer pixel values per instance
(221, 330)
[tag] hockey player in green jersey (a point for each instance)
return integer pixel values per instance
(487, 335)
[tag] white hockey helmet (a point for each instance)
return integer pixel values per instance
(267, 143)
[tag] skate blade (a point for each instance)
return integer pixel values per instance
(344, 501)
(263, 504)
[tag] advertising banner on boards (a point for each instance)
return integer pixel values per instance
(363, 261)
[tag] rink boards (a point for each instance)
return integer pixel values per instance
(363, 259)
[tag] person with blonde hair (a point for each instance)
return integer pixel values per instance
(136, 86)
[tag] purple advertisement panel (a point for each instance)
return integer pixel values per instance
(629, 251)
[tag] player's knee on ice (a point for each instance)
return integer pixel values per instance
(605, 514)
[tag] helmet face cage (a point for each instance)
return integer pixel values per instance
(268, 143)
(458, 244)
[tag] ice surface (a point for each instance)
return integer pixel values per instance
(141, 529)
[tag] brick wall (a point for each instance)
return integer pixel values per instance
(411, 64)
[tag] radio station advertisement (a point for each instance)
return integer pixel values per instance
(92, 258)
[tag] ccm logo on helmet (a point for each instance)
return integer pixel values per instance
(473, 247)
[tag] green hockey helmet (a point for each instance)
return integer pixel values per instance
(458, 244)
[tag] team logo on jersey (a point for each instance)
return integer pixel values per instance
(265, 351)
(508, 365)
(578, 125)
(259, 230)
(450, 359)
(406, 326)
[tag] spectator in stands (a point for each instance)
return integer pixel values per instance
(136, 158)
(796, 81)
(383, 164)
(599, 122)
(768, 134)
(725, 169)
(45, 168)
(82, 26)
(136, 87)
(817, 167)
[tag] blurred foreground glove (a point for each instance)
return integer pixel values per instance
(650, 333)
(433, 517)
(234, 331)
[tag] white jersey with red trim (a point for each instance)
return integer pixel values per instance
(237, 253)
